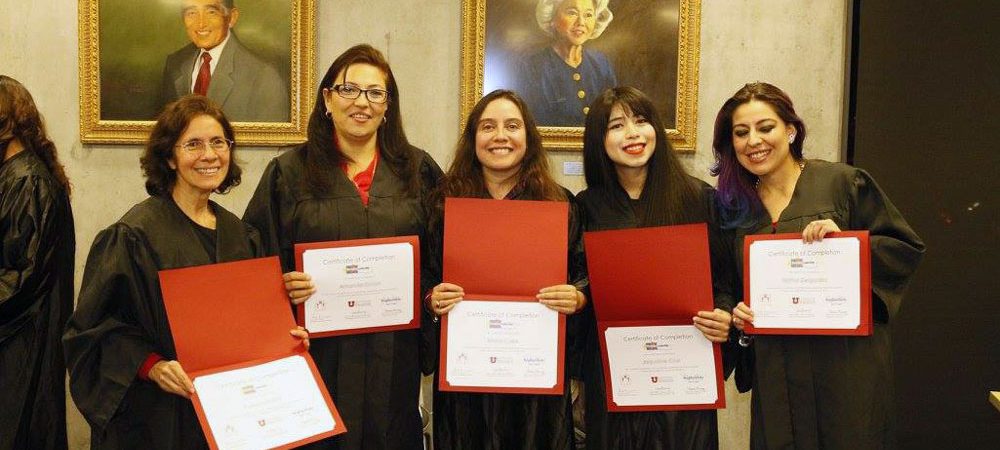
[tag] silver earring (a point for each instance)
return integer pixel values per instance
(329, 114)
(791, 138)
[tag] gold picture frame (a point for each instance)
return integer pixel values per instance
(138, 38)
(482, 47)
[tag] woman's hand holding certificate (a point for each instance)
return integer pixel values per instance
(357, 286)
(802, 284)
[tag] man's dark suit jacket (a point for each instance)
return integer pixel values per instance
(248, 88)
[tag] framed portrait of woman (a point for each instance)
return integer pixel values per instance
(254, 58)
(560, 54)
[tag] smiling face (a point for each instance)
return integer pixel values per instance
(501, 138)
(630, 139)
(202, 171)
(761, 139)
(574, 21)
(208, 22)
(356, 119)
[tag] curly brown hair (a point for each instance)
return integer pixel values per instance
(19, 119)
(169, 127)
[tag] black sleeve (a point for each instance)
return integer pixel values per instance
(264, 213)
(430, 262)
(30, 219)
(896, 250)
(726, 285)
(579, 325)
(105, 341)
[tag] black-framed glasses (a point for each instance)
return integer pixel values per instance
(198, 146)
(374, 95)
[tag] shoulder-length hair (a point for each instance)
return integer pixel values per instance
(669, 195)
(169, 127)
(465, 175)
(322, 152)
(20, 119)
(737, 194)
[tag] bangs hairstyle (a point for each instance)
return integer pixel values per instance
(465, 176)
(20, 119)
(169, 127)
(737, 195)
(323, 156)
(669, 195)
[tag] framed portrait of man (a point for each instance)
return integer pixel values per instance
(561, 54)
(254, 58)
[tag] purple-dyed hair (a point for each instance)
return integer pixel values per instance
(737, 194)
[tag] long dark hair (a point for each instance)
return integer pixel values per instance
(465, 176)
(19, 119)
(669, 195)
(322, 153)
(737, 198)
(170, 125)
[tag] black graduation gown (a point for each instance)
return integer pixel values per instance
(120, 319)
(37, 247)
(834, 392)
(660, 430)
(514, 421)
(374, 379)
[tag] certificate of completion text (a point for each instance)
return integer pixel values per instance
(359, 287)
(502, 344)
(798, 285)
(661, 365)
(264, 406)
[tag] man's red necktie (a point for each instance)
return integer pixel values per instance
(204, 75)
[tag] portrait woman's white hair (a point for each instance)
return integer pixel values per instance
(546, 10)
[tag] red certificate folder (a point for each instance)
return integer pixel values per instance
(233, 315)
(648, 277)
(504, 250)
(414, 241)
(865, 323)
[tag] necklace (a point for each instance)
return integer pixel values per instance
(756, 181)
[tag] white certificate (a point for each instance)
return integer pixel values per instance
(661, 365)
(359, 287)
(264, 406)
(798, 285)
(502, 344)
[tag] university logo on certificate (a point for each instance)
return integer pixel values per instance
(362, 285)
(821, 288)
(256, 386)
(500, 339)
(654, 359)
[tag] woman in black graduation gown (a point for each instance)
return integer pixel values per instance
(827, 392)
(635, 180)
(500, 156)
(36, 276)
(356, 177)
(124, 375)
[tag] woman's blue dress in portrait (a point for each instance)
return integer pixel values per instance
(557, 93)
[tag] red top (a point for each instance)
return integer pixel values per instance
(363, 180)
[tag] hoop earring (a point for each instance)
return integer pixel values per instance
(328, 114)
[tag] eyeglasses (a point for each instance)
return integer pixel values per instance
(198, 146)
(374, 95)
